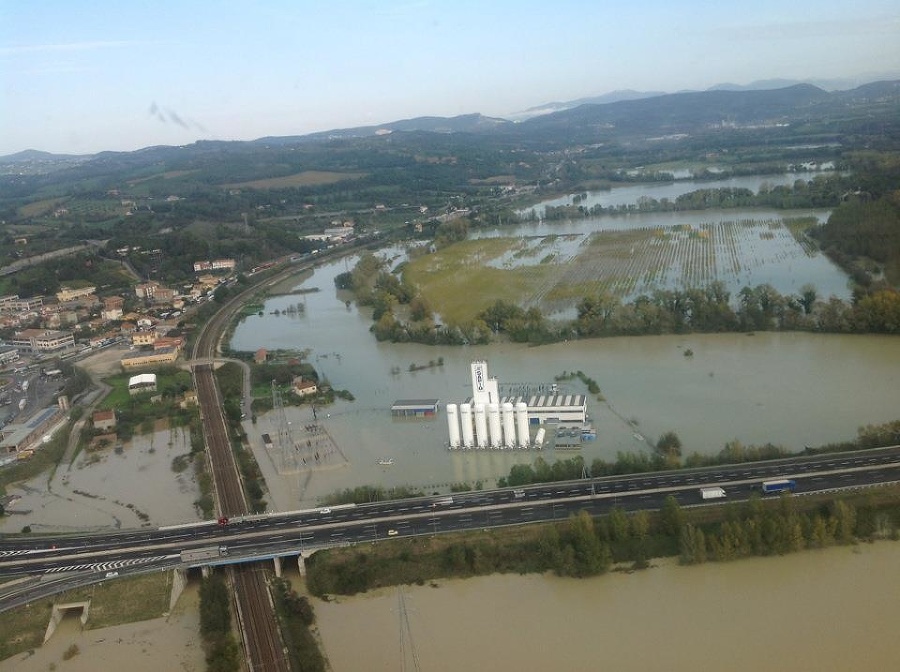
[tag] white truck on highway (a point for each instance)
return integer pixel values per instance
(200, 554)
(712, 493)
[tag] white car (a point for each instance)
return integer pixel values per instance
(392, 533)
(324, 511)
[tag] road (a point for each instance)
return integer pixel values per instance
(252, 537)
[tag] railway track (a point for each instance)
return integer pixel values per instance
(259, 627)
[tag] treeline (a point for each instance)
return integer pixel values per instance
(295, 618)
(401, 315)
(753, 529)
(584, 546)
(861, 228)
(574, 548)
(219, 645)
(667, 454)
(371, 493)
(823, 192)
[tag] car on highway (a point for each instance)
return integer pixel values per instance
(392, 533)
(325, 511)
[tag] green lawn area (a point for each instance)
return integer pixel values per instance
(166, 380)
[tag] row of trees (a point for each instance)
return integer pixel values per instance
(583, 546)
(222, 652)
(296, 616)
(823, 192)
(754, 530)
(865, 228)
(708, 309)
(668, 454)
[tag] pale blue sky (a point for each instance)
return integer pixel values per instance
(80, 76)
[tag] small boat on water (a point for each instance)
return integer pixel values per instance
(386, 462)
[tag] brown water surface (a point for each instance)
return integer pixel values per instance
(826, 610)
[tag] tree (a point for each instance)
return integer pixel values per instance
(671, 517)
(669, 445)
(692, 544)
(590, 555)
(618, 524)
(808, 297)
(640, 525)
(845, 516)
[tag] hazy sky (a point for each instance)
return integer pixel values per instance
(80, 76)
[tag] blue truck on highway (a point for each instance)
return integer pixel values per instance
(780, 485)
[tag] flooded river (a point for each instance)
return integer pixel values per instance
(824, 610)
(793, 389)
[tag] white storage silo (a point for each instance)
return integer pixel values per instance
(465, 421)
(509, 425)
(481, 430)
(495, 429)
(453, 425)
(524, 435)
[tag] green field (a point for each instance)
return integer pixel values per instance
(306, 178)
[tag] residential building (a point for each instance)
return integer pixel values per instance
(146, 290)
(112, 308)
(139, 360)
(8, 355)
(43, 340)
(304, 388)
(176, 342)
(214, 265)
(104, 420)
(142, 338)
(71, 293)
(13, 304)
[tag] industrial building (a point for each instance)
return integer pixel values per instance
(415, 408)
(490, 420)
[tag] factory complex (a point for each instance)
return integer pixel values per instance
(491, 420)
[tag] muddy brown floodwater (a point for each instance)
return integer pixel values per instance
(835, 609)
(170, 644)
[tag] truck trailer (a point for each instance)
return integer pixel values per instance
(780, 485)
(200, 554)
(712, 493)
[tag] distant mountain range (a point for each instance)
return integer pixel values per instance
(837, 84)
(617, 115)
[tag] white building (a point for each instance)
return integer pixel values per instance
(489, 420)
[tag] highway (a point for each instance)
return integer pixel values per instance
(253, 537)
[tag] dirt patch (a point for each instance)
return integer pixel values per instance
(105, 363)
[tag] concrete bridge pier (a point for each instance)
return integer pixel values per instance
(301, 562)
(179, 581)
(277, 562)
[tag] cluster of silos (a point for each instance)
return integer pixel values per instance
(496, 426)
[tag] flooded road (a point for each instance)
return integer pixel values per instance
(819, 610)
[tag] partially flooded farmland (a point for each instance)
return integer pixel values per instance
(552, 266)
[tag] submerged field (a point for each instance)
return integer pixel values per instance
(553, 272)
